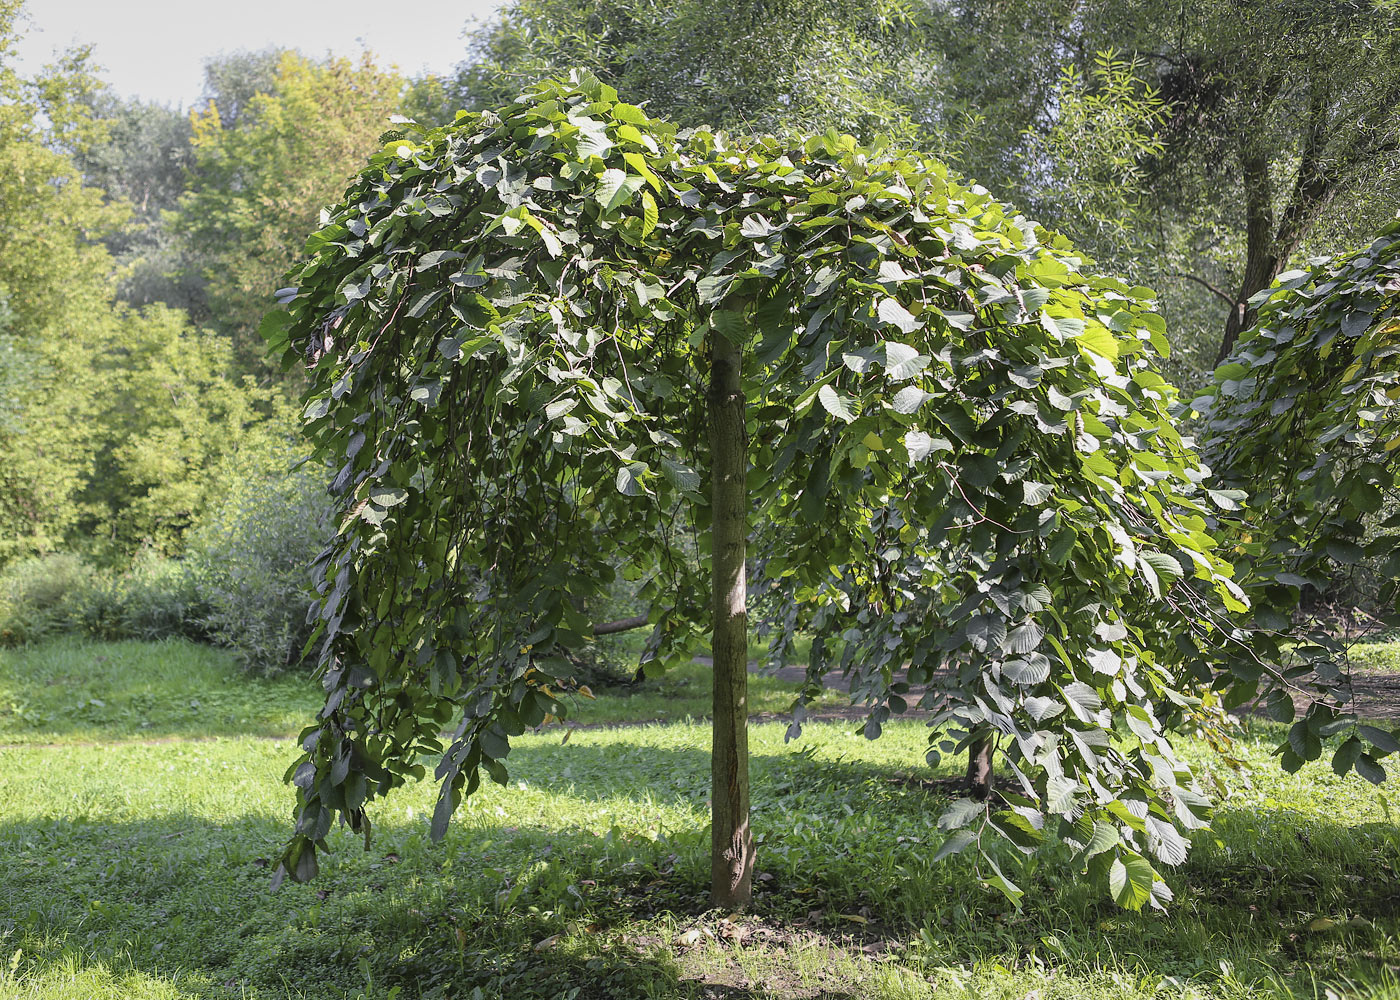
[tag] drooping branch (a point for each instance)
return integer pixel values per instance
(621, 625)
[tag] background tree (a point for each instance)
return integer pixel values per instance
(958, 434)
(54, 278)
(264, 168)
(111, 419)
(143, 164)
(1280, 139)
(171, 415)
(799, 65)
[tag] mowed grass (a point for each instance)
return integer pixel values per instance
(73, 690)
(136, 869)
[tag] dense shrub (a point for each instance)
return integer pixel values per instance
(40, 595)
(249, 560)
(154, 599)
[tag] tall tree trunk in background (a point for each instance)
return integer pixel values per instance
(1262, 263)
(1269, 248)
(731, 840)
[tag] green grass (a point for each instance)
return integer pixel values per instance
(138, 870)
(1376, 656)
(73, 690)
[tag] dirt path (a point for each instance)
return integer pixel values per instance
(1377, 695)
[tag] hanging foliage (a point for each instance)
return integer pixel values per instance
(958, 445)
(1305, 418)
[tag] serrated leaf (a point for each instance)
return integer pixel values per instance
(1041, 708)
(1035, 493)
(960, 813)
(909, 399)
(1105, 838)
(616, 188)
(954, 843)
(890, 311)
(837, 403)
(442, 814)
(1001, 883)
(1378, 738)
(629, 479)
(1166, 567)
(1096, 339)
(650, 213)
(1279, 706)
(436, 257)
(680, 475)
(1130, 879)
(1165, 841)
(1024, 638)
(1367, 767)
(1082, 700)
(903, 362)
(388, 496)
(711, 289)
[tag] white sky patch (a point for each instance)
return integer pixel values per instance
(156, 49)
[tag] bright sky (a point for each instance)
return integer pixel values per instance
(155, 49)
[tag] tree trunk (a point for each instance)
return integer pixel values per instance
(979, 767)
(1262, 262)
(731, 840)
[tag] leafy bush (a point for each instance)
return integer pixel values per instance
(249, 562)
(39, 595)
(155, 599)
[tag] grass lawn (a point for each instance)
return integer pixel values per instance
(135, 828)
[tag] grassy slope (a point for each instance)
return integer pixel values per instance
(137, 870)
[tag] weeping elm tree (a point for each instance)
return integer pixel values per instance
(562, 340)
(1305, 416)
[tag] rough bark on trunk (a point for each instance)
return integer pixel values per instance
(979, 768)
(1267, 247)
(1262, 263)
(731, 840)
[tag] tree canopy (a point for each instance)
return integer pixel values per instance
(955, 428)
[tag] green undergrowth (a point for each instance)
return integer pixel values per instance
(1376, 656)
(136, 870)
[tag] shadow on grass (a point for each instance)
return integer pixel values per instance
(540, 910)
(183, 905)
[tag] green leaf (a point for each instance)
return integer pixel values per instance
(960, 813)
(650, 213)
(1279, 706)
(1098, 340)
(1104, 838)
(388, 496)
(1034, 493)
(1368, 768)
(1130, 879)
(837, 403)
(1378, 738)
(954, 844)
(890, 311)
(910, 398)
(712, 288)
(629, 479)
(616, 188)
(903, 362)
(1166, 567)
(997, 880)
(680, 475)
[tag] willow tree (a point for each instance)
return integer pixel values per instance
(563, 340)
